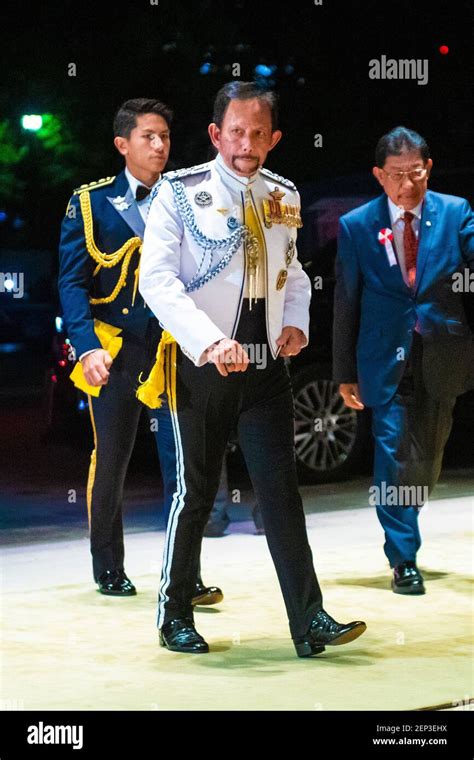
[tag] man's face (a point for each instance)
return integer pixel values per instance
(245, 136)
(147, 149)
(406, 190)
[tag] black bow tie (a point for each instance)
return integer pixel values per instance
(141, 192)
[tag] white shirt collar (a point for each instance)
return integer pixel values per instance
(134, 182)
(397, 212)
(229, 177)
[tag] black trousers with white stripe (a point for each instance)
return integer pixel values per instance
(205, 408)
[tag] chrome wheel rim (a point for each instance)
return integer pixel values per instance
(325, 429)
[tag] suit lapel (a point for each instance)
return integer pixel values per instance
(381, 216)
(426, 236)
(381, 220)
(125, 205)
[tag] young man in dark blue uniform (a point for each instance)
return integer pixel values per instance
(113, 331)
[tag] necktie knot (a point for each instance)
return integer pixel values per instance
(142, 192)
(408, 217)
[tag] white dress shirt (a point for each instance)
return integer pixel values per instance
(144, 205)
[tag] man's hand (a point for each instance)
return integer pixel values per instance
(96, 367)
(228, 356)
(291, 340)
(350, 394)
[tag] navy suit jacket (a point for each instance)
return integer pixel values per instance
(375, 312)
(112, 228)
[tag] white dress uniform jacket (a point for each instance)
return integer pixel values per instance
(172, 256)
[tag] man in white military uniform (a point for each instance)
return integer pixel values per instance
(219, 269)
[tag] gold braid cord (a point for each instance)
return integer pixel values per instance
(107, 260)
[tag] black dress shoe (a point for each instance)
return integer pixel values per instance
(116, 583)
(180, 635)
(407, 579)
(204, 595)
(325, 631)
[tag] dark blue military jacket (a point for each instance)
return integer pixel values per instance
(115, 219)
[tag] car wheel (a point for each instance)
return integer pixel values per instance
(331, 440)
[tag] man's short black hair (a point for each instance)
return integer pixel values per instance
(398, 141)
(238, 90)
(126, 117)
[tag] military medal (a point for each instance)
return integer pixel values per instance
(203, 198)
(281, 279)
(276, 212)
(232, 221)
(120, 203)
(252, 250)
(290, 252)
(272, 209)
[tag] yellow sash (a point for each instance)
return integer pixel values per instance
(255, 252)
(151, 389)
(108, 336)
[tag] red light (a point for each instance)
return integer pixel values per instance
(62, 363)
(443, 49)
(54, 378)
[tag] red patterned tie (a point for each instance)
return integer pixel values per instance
(410, 246)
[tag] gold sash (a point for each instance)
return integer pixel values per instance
(108, 336)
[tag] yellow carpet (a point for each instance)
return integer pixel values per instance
(67, 647)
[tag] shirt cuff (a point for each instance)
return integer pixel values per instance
(86, 353)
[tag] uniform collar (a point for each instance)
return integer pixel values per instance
(397, 212)
(134, 182)
(230, 178)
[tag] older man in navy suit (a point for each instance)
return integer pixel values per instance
(402, 342)
(114, 332)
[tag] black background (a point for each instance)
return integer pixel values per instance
(135, 49)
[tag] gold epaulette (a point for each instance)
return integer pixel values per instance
(94, 185)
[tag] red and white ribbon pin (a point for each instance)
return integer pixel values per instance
(385, 238)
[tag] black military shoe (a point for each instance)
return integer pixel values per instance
(204, 595)
(325, 631)
(180, 635)
(407, 579)
(116, 583)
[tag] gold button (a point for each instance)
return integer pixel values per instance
(125, 310)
